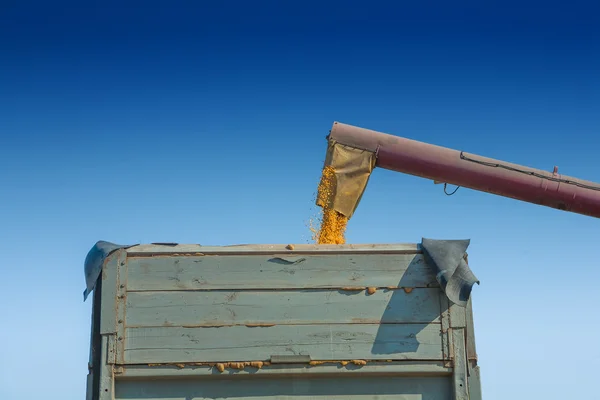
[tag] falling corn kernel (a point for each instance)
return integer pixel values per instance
(333, 224)
(221, 367)
(371, 290)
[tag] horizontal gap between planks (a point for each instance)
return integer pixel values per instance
(315, 363)
(269, 253)
(269, 364)
(373, 368)
(287, 289)
(271, 325)
(150, 250)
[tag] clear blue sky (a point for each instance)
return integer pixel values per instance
(206, 124)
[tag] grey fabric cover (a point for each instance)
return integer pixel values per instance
(452, 271)
(95, 260)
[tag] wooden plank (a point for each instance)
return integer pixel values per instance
(460, 384)
(106, 387)
(320, 342)
(474, 382)
(278, 272)
(458, 316)
(471, 348)
(289, 388)
(120, 305)
(93, 376)
(474, 373)
(148, 309)
(89, 391)
(189, 249)
(112, 349)
(445, 320)
(108, 314)
(399, 368)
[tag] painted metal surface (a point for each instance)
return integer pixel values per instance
(455, 167)
(212, 325)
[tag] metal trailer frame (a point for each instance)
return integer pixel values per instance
(107, 369)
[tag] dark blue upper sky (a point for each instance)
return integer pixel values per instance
(204, 122)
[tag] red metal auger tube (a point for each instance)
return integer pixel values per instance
(454, 167)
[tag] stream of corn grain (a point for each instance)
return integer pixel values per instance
(333, 224)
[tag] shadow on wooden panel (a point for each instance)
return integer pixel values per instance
(417, 265)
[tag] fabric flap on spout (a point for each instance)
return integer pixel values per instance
(94, 261)
(452, 271)
(353, 168)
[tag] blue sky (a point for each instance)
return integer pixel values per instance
(205, 124)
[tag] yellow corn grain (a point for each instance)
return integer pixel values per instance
(333, 224)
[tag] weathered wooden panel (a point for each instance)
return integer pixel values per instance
(278, 271)
(458, 316)
(147, 309)
(471, 348)
(110, 283)
(474, 373)
(120, 304)
(460, 381)
(321, 342)
(445, 321)
(289, 388)
(474, 383)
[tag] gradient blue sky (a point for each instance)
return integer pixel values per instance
(206, 124)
